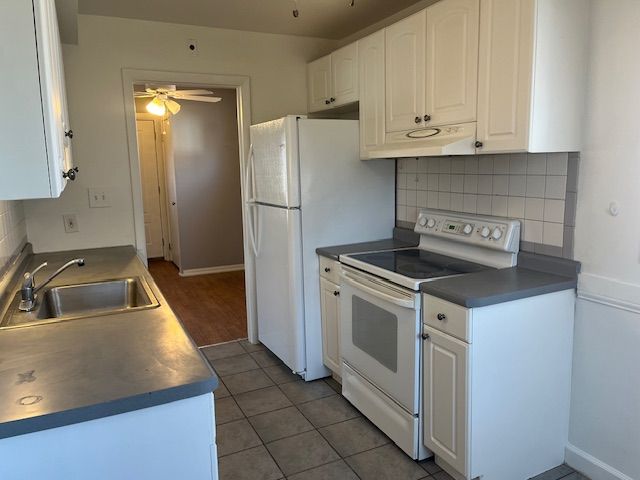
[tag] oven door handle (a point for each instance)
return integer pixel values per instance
(396, 300)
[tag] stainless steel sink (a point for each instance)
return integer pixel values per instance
(84, 300)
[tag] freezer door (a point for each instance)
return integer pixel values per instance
(279, 284)
(275, 162)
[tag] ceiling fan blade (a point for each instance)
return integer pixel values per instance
(196, 98)
(143, 94)
(191, 92)
(172, 106)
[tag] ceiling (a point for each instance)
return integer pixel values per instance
(332, 19)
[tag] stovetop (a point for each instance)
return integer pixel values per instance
(410, 267)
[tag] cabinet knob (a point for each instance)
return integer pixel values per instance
(426, 336)
(327, 269)
(427, 118)
(333, 99)
(173, 203)
(418, 119)
(441, 316)
(68, 133)
(336, 293)
(478, 144)
(327, 102)
(70, 174)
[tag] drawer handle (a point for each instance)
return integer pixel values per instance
(441, 316)
(426, 336)
(336, 293)
(327, 269)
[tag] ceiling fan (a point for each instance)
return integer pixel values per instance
(164, 98)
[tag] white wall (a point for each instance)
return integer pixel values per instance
(13, 231)
(605, 416)
(276, 65)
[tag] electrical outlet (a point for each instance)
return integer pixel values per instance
(70, 223)
(192, 45)
(99, 198)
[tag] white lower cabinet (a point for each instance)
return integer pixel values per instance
(330, 314)
(497, 384)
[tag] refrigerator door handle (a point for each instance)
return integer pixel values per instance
(251, 228)
(248, 177)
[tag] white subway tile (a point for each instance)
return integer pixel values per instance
(412, 198)
(552, 234)
(457, 202)
(556, 187)
(534, 209)
(401, 198)
(517, 185)
(421, 199)
(499, 206)
(471, 165)
(471, 184)
(432, 182)
(501, 184)
(557, 163)
(423, 165)
(516, 207)
(445, 165)
(423, 181)
(518, 164)
(485, 184)
(412, 214)
(401, 213)
(484, 204)
(536, 185)
(411, 165)
(457, 183)
(444, 182)
(536, 163)
(470, 203)
(434, 165)
(444, 200)
(432, 199)
(532, 231)
(554, 211)
(457, 165)
(485, 165)
(402, 180)
(501, 164)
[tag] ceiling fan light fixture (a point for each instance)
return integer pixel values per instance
(157, 107)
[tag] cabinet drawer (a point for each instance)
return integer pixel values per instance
(330, 269)
(447, 317)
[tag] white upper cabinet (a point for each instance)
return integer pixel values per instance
(319, 83)
(452, 61)
(333, 79)
(405, 73)
(532, 70)
(35, 150)
(371, 80)
(344, 75)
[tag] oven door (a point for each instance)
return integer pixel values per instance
(380, 335)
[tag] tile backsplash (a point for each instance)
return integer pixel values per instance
(13, 231)
(538, 189)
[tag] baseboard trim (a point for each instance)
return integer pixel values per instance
(205, 271)
(590, 466)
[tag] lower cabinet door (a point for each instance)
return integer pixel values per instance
(446, 398)
(330, 311)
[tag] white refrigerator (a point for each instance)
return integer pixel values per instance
(307, 188)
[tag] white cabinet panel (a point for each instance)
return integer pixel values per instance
(344, 75)
(505, 74)
(405, 76)
(330, 313)
(371, 79)
(452, 61)
(34, 140)
(446, 398)
(319, 83)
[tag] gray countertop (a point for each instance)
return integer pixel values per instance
(386, 244)
(78, 370)
(497, 286)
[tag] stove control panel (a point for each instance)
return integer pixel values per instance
(496, 233)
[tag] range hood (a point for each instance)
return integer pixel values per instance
(429, 142)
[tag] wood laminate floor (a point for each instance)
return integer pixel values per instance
(211, 307)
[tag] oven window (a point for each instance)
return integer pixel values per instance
(375, 332)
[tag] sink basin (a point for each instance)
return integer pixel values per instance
(84, 300)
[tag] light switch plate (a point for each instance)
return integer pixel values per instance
(70, 223)
(99, 198)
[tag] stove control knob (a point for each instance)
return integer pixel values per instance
(431, 223)
(485, 232)
(422, 221)
(496, 234)
(467, 229)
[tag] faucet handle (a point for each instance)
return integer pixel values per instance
(29, 276)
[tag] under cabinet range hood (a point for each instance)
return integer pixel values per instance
(429, 142)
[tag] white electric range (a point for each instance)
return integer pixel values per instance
(381, 313)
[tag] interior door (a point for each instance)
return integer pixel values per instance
(446, 398)
(452, 61)
(148, 155)
(279, 293)
(405, 82)
(172, 196)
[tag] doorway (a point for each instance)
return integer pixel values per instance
(181, 162)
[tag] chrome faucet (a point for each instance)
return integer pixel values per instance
(29, 290)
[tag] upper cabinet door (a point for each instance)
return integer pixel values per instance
(319, 82)
(405, 76)
(452, 61)
(344, 75)
(505, 74)
(371, 80)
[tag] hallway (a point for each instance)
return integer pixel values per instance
(211, 307)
